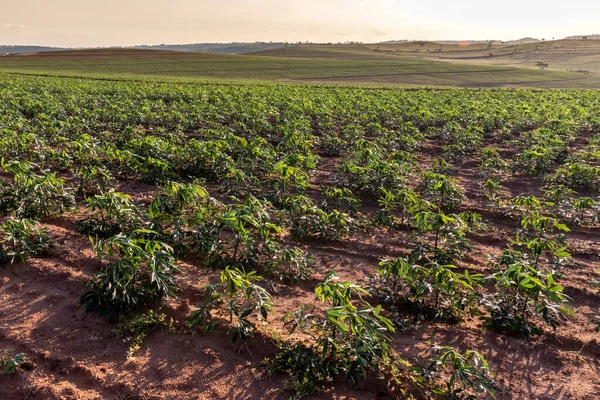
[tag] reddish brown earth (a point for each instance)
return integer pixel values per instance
(77, 355)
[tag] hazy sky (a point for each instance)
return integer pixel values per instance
(128, 22)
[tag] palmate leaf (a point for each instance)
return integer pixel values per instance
(336, 316)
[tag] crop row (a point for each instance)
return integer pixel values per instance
(245, 176)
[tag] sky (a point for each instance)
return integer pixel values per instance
(81, 23)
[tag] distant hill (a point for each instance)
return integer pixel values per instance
(244, 48)
(586, 37)
(393, 42)
(462, 42)
(218, 48)
(526, 40)
(26, 49)
(454, 42)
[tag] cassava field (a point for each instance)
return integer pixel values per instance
(175, 238)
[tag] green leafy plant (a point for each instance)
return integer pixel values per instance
(441, 190)
(369, 168)
(492, 166)
(525, 296)
(492, 190)
(135, 271)
(341, 199)
(395, 207)
(287, 180)
(139, 326)
(9, 362)
(237, 293)
(578, 175)
(441, 166)
(541, 235)
(460, 142)
(431, 290)
(21, 239)
(208, 159)
(34, 192)
(307, 220)
(110, 213)
(290, 265)
(454, 375)
(543, 153)
(252, 229)
(584, 208)
(178, 213)
(350, 337)
(93, 179)
(88, 170)
(450, 235)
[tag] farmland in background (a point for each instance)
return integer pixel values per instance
(573, 55)
(325, 64)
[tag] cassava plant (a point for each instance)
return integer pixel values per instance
(454, 375)
(92, 179)
(21, 239)
(341, 199)
(350, 337)
(177, 213)
(9, 362)
(430, 290)
(34, 192)
(449, 235)
(290, 265)
(524, 298)
(110, 213)
(241, 298)
(395, 207)
(252, 229)
(135, 271)
(441, 190)
(308, 220)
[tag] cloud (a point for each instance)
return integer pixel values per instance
(378, 32)
(342, 33)
(14, 27)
